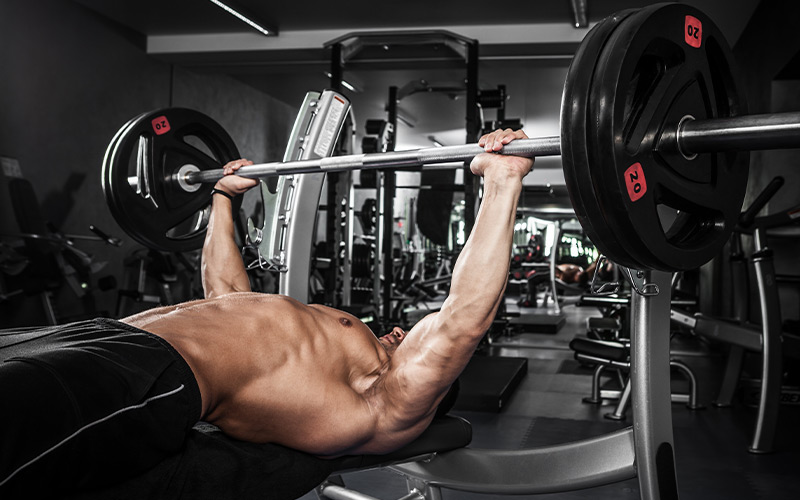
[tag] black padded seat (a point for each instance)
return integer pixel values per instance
(444, 434)
(605, 324)
(215, 466)
(603, 349)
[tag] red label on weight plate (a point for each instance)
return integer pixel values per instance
(635, 182)
(160, 125)
(693, 31)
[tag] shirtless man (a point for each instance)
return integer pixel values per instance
(263, 368)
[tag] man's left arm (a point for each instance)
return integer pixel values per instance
(438, 348)
(222, 269)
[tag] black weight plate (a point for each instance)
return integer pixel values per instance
(662, 64)
(114, 140)
(107, 191)
(139, 173)
(116, 195)
(574, 120)
(635, 254)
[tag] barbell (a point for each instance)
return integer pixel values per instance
(744, 133)
(653, 144)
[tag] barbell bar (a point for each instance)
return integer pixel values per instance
(741, 133)
(541, 146)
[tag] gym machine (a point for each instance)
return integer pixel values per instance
(766, 339)
(644, 125)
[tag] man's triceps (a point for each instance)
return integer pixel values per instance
(428, 362)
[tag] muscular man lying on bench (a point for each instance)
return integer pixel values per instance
(94, 402)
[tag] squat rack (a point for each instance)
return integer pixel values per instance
(368, 47)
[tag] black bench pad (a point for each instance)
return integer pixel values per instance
(603, 349)
(215, 466)
(606, 324)
(444, 434)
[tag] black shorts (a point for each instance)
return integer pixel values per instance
(88, 404)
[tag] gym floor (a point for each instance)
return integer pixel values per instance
(710, 444)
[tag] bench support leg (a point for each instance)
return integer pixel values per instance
(650, 383)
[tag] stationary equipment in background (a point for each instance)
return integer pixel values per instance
(767, 340)
(660, 190)
(285, 240)
(38, 260)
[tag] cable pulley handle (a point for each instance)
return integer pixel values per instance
(749, 215)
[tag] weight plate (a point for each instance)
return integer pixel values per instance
(636, 255)
(140, 183)
(107, 191)
(660, 65)
(574, 128)
(119, 134)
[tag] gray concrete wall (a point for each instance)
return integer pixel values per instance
(69, 79)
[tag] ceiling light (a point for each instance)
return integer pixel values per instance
(579, 13)
(242, 17)
(404, 117)
(349, 86)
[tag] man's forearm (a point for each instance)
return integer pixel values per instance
(481, 271)
(222, 269)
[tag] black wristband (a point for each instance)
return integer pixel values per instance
(223, 193)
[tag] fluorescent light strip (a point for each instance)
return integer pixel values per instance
(241, 17)
(435, 141)
(349, 86)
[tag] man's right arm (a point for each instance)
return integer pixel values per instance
(222, 269)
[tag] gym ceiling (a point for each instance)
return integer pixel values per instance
(526, 46)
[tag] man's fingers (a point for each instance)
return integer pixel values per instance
(510, 135)
(490, 142)
(494, 141)
(233, 166)
(237, 164)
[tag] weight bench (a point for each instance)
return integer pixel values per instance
(615, 355)
(216, 467)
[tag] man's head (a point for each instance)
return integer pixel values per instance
(392, 340)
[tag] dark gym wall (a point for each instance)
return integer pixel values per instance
(69, 80)
(259, 124)
(768, 43)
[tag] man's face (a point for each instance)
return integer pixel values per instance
(392, 340)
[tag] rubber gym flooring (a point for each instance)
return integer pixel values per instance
(710, 444)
